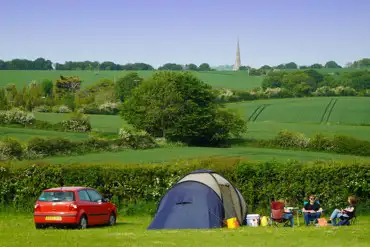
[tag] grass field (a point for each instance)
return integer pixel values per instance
(336, 110)
(171, 154)
(18, 230)
(234, 80)
(24, 134)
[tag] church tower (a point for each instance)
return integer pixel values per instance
(237, 60)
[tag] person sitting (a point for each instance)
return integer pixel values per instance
(287, 214)
(311, 210)
(348, 212)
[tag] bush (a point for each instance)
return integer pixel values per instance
(42, 108)
(136, 139)
(77, 123)
(49, 146)
(291, 139)
(10, 149)
(259, 183)
(61, 109)
(16, 116)
(319, 142)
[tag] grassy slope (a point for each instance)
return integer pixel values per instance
(25, 134)
(18, 230)
(177, 153)
(305, 114)
(235, 80)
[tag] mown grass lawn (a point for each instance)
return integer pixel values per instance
(172, 154)
(18, 230)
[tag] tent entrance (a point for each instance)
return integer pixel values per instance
(227, 201)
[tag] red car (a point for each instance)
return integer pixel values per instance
(74, 206)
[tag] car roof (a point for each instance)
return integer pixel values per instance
(67, 188)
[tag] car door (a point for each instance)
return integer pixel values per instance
(101, 208)
(88, 206)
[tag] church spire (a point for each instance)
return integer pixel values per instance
(237, 60)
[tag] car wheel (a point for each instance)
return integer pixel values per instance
(39, 226)
(83, 223)
(112, 219)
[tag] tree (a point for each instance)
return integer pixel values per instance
(191, 66)
(332, 65)
(316, 66)
(171, 66)
(180, 107)
(126, 84)
(204, 67)
(47, 87)
(66, 85)
(3, 100)
(291, 65)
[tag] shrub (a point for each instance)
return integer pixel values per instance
(109, 108)
(319, 142)
(16, 116)
(291, 139)
(50, 146)
(61, 109)
(42, 108)
(136, 138)
(77, 123)
(10, 149)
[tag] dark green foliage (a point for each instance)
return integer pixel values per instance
(126, 84)
(258, 182)
(47, 87)
(179, 107)
(3, 100)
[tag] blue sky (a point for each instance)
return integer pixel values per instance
(192, 31)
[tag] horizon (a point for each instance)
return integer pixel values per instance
(187, 32)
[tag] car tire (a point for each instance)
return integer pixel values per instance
(112, 219)
(39, 226)
(83, 223)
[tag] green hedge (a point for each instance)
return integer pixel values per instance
(319, 143)
(38, 147)
(332, 182)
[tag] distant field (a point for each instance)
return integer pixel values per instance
(105, 123)
(234, 80)
(334, 110)
(24, 134)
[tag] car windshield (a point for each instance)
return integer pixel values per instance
(57, 196)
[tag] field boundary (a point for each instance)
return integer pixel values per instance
(253, 117)
(328, 110)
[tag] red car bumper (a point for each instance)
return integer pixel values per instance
(53, 218)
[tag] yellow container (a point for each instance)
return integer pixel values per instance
(232, 223)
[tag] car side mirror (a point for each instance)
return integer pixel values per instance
(105, 200)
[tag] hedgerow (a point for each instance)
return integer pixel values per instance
(259, 183)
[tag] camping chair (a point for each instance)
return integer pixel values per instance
(304, 204)
(350, 220)
(277, 212)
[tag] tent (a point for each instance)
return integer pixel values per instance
(201, 199)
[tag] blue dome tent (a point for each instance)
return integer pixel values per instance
(202, 199)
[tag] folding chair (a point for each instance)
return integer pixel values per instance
(350, 220)
(277, 212)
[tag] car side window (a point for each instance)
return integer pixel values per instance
(94, 195)
(82, 194)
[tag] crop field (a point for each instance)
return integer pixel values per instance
(331, 110)
(18, 230)
(234, 80)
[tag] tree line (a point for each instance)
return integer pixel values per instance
(44, 64)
